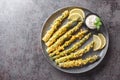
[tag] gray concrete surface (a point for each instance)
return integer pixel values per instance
(20, 53)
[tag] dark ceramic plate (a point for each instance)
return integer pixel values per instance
(86, 68)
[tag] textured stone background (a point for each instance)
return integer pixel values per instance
(20, 53)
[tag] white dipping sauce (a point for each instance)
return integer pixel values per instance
(90, 20)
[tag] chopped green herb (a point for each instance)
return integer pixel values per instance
(98, 23)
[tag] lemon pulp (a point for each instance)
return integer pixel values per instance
(97, 42)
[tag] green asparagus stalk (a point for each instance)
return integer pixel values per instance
(55, 25)
(67, 35)
(58, 33)
(77, 54)
(79, 62)
(73, 48)
(67, 43)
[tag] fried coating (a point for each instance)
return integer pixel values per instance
(73, 48)
(61, 40)
(77, 54)
(55, 25)
(58, 33)
(79, 35)
(79, 62)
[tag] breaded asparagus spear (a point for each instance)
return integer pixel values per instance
(55, 25)
(73, 48)
(79, 62)
(61, 40)
(77, 54)
(58, 33)
(67, 43)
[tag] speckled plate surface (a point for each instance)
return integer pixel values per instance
(83, 69)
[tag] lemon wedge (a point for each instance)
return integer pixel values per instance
(102, 37)
(97, 42)
(79, 11)
(75, 17)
